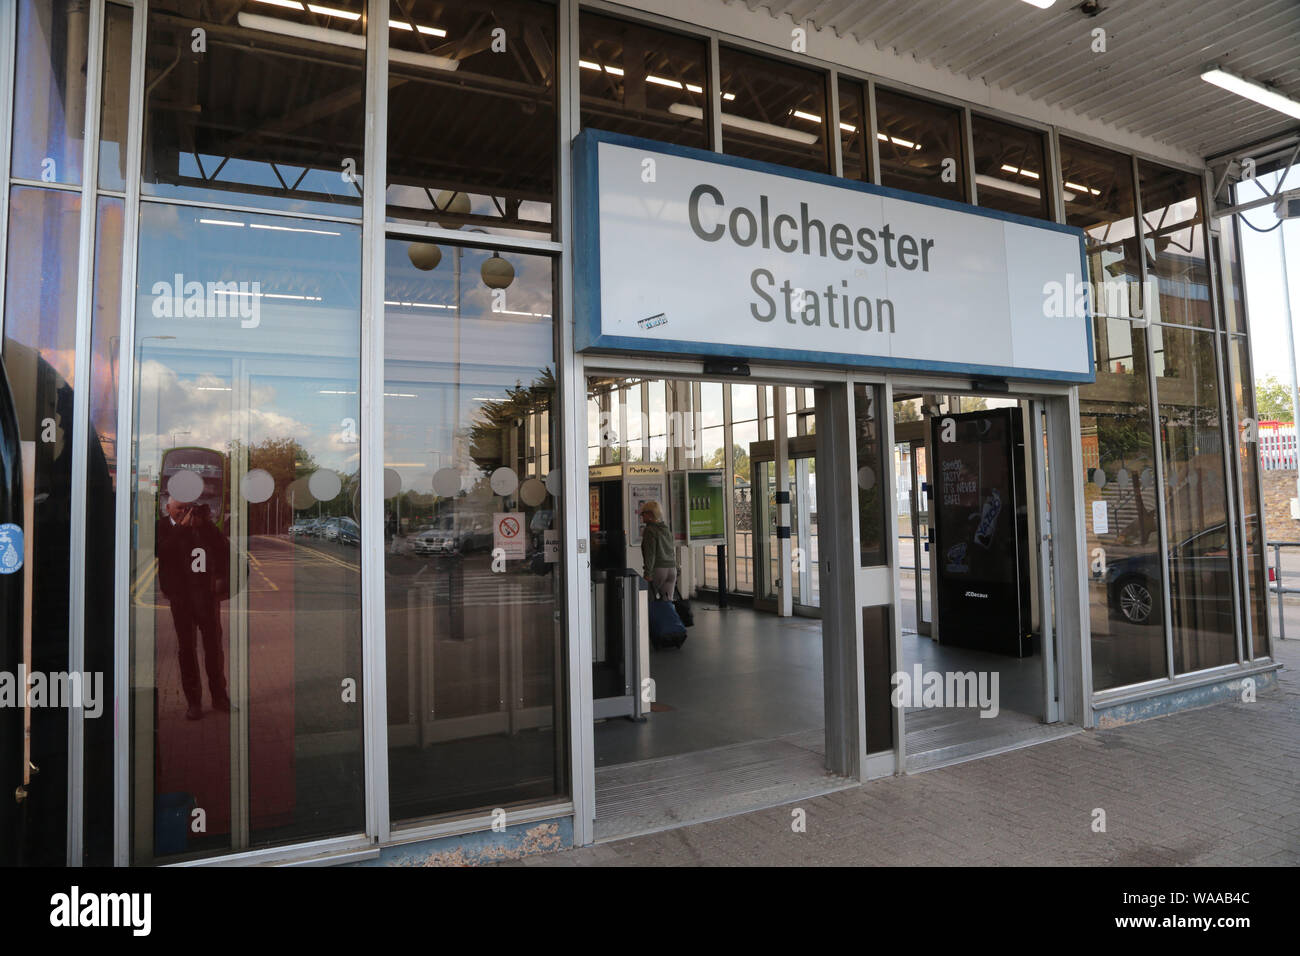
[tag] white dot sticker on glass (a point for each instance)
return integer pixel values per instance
(553, 482)
(185, 486)
(299, 495)
(504, 481)
(325, 484)
(866, 478)
(257, 486)
(446, 482)
(1099, 478)
(392, 482)
(532, 492)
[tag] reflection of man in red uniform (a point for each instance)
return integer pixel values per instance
(193, 563)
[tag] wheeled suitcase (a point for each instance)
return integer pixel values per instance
(666, 628)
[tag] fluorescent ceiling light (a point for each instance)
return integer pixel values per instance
(898, 141)
(1083, 189)
(1252, 91)
(333, 12)
(287, 4)
(848, 127)
(992, 182)
(221, 222)
(1041, 4)
(748, 125)
(663, 81)
(427, 31)
(1028, 173)
(302, 31)
(806, 116)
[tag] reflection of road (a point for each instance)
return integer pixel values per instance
(470, 576)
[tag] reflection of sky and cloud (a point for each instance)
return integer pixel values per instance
(440, 371)
(290, 371)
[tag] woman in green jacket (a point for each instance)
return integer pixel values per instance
(658, 551)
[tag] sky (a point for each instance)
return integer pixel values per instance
(1262, 263)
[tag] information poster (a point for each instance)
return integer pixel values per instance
(677, 484)
(644, 482)
(706, 507)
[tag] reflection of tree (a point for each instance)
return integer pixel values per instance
(497, 417)
(1122, 436)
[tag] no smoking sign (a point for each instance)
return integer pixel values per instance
(507, 534)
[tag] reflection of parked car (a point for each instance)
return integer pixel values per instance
(349, 532)
(329, 529)
(455, 534)
(433, 542)
(299, 528)
(1200, 564)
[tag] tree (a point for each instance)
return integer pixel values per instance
(1273, 400)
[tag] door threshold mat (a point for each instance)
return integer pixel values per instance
(653, 795)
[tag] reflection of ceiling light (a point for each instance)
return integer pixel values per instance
(1083, 189)
(898, 141)
(318, 232)
(221, 222)
(650, 78)
(212, 388)
(663, 81)
(288, 4)
(418, 305)
(335, 391)
(400, 395)
(333, 12)
(848, 127)
(1041, 4)
(1252, 91)
(302, 31)
(806, 116)
(749, 125)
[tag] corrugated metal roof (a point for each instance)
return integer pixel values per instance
(1147, 82)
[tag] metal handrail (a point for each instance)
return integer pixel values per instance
(1276, 585)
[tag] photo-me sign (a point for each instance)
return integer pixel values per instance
(685, 251)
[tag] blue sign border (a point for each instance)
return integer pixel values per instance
(586, 246)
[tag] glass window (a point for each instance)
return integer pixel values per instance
(744, 403)
(1125, 586)
(855, 156)
(39, 344)
(1173, 234)
(266, 108)
(594, 431)
(1010, 168)
(1196, 499)
(1248, 469)
(474, 695)
(1098, 192)
(712, 450)
(710, 403)
(471, 114)
(920, 146)
(643, 82)
(868, 427)
(50, 86)
(773, 111)
(115, 97)
(246, 609)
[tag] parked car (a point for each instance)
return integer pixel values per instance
(329, 529)
(1200, 564)
(299, 528)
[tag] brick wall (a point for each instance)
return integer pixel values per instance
(1279, 489)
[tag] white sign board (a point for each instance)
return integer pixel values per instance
(1100, 518)
(685, 251)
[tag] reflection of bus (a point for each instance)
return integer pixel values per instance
(208, 464)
